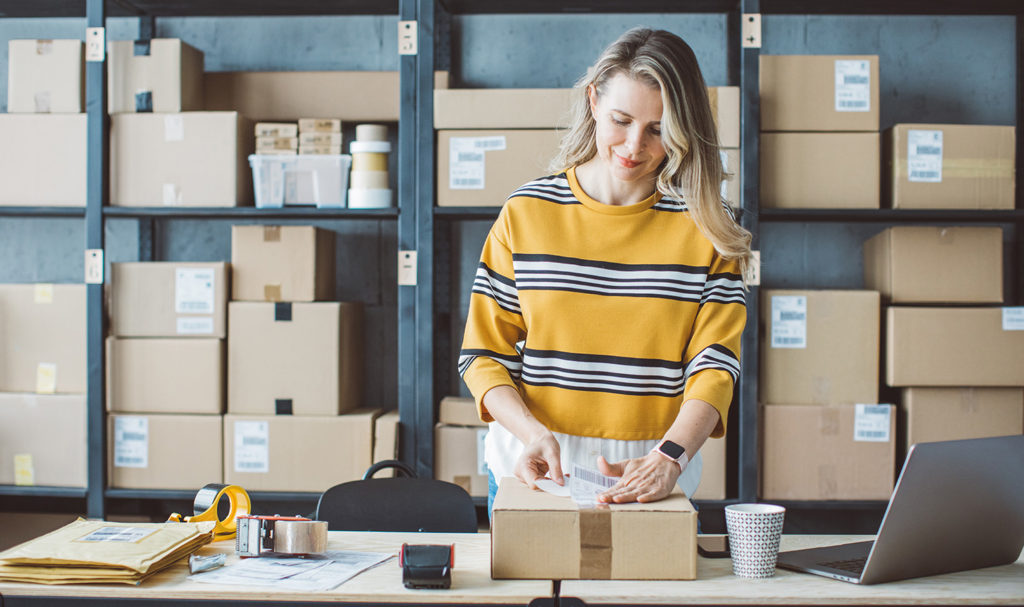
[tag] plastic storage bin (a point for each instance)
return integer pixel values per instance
(321, 180)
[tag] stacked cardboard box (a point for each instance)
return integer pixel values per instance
(294, 365)
(819, 131)
(164, 150)
(44, 132)
(277, 138)
(459, 445)
(165, 373)
(42, 385)
(319, 136)
(826, 436)
(958, 367)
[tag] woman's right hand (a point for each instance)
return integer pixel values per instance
(541, 457)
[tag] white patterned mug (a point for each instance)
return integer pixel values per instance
(754, 533)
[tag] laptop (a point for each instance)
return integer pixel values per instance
(957, 505)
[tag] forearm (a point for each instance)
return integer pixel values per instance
(506, 406)
(693, 425)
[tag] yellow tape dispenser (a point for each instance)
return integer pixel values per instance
(206, 505)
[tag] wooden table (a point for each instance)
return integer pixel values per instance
(716, 585)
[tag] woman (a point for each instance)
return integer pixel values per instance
(605, 320)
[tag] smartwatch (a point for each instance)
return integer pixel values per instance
(671, 451)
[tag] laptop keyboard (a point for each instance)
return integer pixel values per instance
(855, 566)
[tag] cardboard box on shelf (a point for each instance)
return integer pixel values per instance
(713, 475)
(949, 166)
(45, 76)
(351, 96)
(385, 441)
(34, 148)
(925, 264)
(282, 263)
(293, 453)
(459, 457)
(536, 535)
(937, 414)
(188, 159)
(277, 129)
(954, 347)
(819, 347)
(502, 108)
(320, 126)
(828, 452)
(43, 440)
(820, 171)
(168, 299)
(294, 358)
(490, 165)
(819, 92)
(159, 75)
(725, 109)
(271, 144)
(732, 185)
(164, 451)
(165, 375)
(42, 338)
(459, 411)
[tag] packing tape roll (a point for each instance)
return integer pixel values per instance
(373, 147)
(300, 537)
(204, 508)
(369, 180)
(369, 199)
(371, 132)
(369, 161)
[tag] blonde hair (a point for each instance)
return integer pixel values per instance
(692, 169)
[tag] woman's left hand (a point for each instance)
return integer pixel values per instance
(643, 479)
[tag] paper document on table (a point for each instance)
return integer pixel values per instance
(585, 484)
(315, 574)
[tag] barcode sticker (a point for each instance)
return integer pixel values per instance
(872, 423)
(481, 464)
(853, 85)
(586, 483)
(924, 156)
(467, 160)
(118, 534)
(789, 321)
(195, 325)
(194, 290)
(131, 442)
(252, 446)
(1013, 319)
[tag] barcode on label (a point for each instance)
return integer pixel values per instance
(490, 143)
(856, 79)
(787, 341)
(250, 465)
(469, 157)
(129, 462)
(593, 477)
(117, 534)
(924, 175)
(853, 104)
(932, 150)
(133, 436)
(257, 441)
(193, 306)
(875, 409)
(792, 315)
(873, 434)
(467, 182)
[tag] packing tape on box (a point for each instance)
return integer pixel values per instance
(43, 293)
(205, 507)
(368, 180)
(369, 199)
(369, 147)
(595, 543)
(271, 292)
(371, 132)
(960, 168)
(271, 233)
(363, 161)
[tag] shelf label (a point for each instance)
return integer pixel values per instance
(789, 321)
(194, 290)
(853, 85)
(131, 442)
(871, 423)
(924, 156)
(467, 160)
(1013, 318)
(252, 446)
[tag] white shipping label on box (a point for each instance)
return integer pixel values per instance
(1013, 319)
(789, 321)
(252, 446)
(871, 423)
(131, 442)
(174, 127)
(467, 160)
(195, 325)
(853, 85)
(481, 465)
(924, 156)
(46, 378)
(118, 534)
(171, 193)
(194, 291)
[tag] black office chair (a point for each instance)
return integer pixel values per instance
(397, 504)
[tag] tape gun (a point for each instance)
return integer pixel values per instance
(205, 508)
(280, 536)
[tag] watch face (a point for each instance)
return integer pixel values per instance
(671, 449)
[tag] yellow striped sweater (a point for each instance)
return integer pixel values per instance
(605, 318)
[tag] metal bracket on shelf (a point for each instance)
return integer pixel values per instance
(407, 268)
(407, 38)
(95, 44)
(751, 30)
(94, 266)
(754, 270)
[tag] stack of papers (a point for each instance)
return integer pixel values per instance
(318, 573)
(98, 552)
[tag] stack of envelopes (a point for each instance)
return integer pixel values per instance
(99, 552)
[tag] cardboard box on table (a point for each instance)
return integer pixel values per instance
(930, 264)
(828, 452)
(820, 171)
(42, 338)
(297, 453)
(43, 440)
(819, 92)
(45, 76)
(165, 375)
(282, 263)
(937, 414)
(159, 451)
(168, 299)
(160, 75)
(294, 358)
(34, 148)
(536, 535)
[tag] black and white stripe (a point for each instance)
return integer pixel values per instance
(715, 356)
(512, 363)
(554, 188)
(724, 288)
(670, 204)
(499, 288)
(557, 273)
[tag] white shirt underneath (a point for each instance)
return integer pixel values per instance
(502, 449)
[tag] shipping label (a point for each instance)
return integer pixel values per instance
(194, 290)
(1013, 318)
(789, 321)
(118, 534)
(252, 446)
(924, 156)
(467, 160)
(872, 423)
(131, 442)
(853, 85)
(174, 127)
